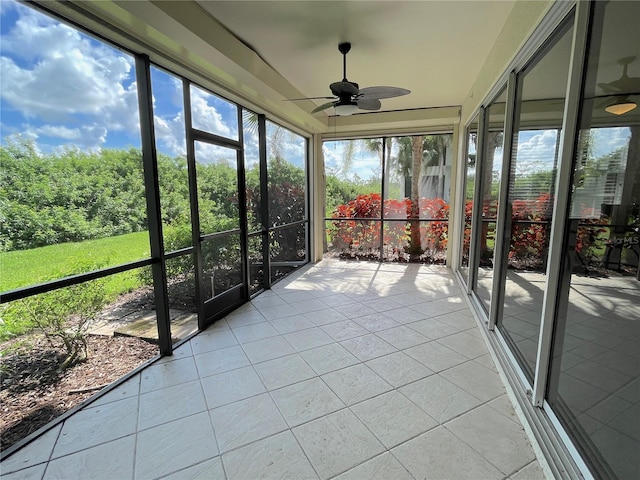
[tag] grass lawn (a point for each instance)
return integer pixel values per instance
(21, 268)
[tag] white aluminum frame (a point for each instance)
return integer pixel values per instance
(503, 217)
(560, 215)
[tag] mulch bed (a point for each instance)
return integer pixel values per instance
(34, 392)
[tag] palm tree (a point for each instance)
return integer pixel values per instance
(415, 153)
(408, 164)
(494, 141)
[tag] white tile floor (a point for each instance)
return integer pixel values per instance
(343, 370)
(599, 358)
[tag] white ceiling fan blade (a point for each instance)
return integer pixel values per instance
(383, 92)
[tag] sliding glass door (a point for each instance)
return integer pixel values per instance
(471, 158)
(488, 184)
(594, 381)
(557, 267)
(541, 87)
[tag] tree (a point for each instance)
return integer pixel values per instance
(489, 198)
(415, 243)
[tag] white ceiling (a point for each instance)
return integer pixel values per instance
(433, 48)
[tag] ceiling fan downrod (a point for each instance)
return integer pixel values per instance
(344, 48)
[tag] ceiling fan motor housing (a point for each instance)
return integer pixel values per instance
(344, 87)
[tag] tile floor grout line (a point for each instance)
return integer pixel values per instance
(135, 445)
(393, 388)
(208, 412)
(173, 472)
(505, 475)
(388, 449)
(290, 428)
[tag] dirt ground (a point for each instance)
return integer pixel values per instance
(33, 392)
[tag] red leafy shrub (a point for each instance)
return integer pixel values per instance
(434, 234)
(356, 227)
(466, 238)
(592, 236)
(530, 224)
(361, 233)
(396, 233)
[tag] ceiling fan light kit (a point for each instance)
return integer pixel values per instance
(346, 109)
(622, 88)
(621, 107)
(349, 97)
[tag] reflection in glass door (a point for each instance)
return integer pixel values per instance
(540, 95)
(594, 379)
(221, 272)
(469, 184)
(489, 184)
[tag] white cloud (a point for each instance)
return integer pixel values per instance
(251, 150)
(294, 151)
(364, 164)
(170, 134)
(333, 153)
(87, 137)
(608, 140)
(536, 151)
(206, 117)
(207, 153)
(57, 131)
(54, 75)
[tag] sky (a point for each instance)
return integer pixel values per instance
(364, 164)
(60, 87)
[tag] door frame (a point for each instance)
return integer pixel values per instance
(212, 309)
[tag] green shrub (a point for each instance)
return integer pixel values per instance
(61, 316)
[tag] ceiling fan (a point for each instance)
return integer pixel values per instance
(625, 84)
(349, 97)
(621, 89)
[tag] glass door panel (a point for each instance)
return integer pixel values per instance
(490, 186)
(213, 114)
(255, 184)
(594, 381)
(255, 254)
(531, 186)
(253, 177)
(223, 265)
(222, 276)
(469, 188)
